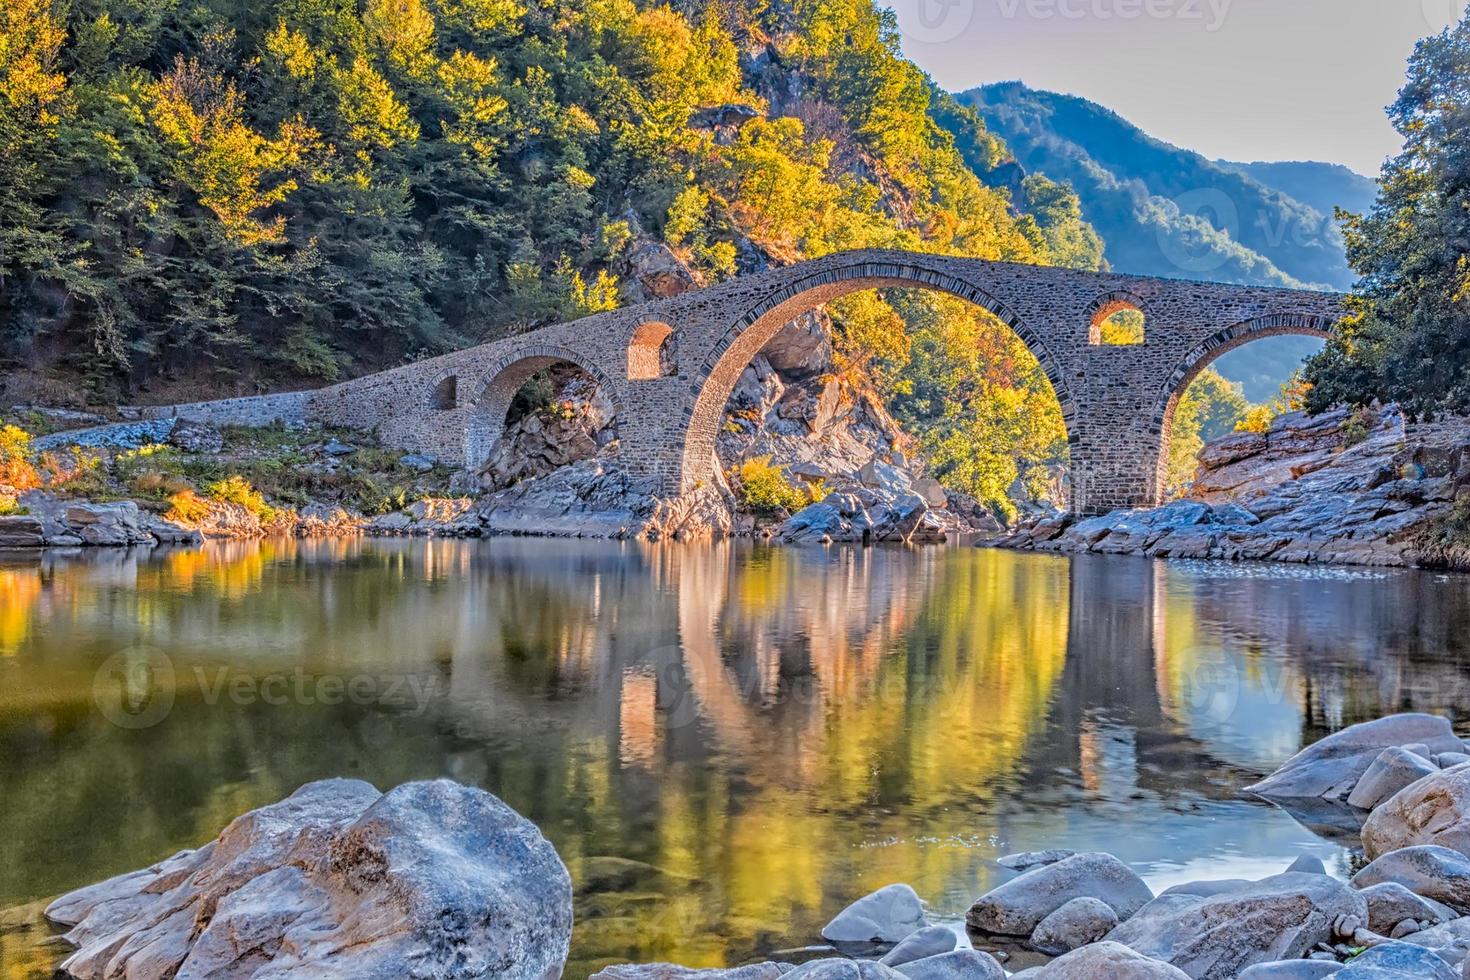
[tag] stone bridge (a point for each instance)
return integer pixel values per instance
(669, 366)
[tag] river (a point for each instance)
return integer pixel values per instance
(726, 743)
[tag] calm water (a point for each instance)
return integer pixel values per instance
(725, 743)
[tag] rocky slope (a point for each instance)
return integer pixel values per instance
(1364, 488)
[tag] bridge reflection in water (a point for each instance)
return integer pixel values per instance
(726, 743)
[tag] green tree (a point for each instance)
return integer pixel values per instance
(1407, 339)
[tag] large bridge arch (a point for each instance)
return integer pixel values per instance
(505, 377)
(1205, 353)
(753, 328)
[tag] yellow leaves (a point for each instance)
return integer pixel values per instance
(293, 51)
(226, 163)
(376, 117)
(404, 31)
(31, 36)
(471, 85)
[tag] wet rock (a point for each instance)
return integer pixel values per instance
(1079, 922)
(960, 964)
(1017, 907)
(1432, 810)
(1394, 769)
(1390, 903)
(1331, 767)
(1106, 961)
(338, 881)
(1281, 917)
(1429, 871)
(928, 941)
(888, 915)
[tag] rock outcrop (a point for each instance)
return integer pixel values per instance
(432, 880)
(1341, 487)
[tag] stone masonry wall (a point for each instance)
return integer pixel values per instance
(1118, 402)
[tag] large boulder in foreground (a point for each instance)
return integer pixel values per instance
(1432, 810)
(1214, 938)
(1332, 767)
(1427, 870)
(1017, 907)
(1104, 960)
(432, 880)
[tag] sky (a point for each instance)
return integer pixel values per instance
(1238, 80)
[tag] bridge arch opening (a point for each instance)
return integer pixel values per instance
(445, 394)
(1254, 360)
(537, 412)
(738, 359)
(1117, 320)
(651, 352)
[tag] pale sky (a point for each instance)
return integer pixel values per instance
(1234, 79)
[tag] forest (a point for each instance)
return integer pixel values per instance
(202, 197)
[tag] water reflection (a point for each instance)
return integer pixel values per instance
(725, 743)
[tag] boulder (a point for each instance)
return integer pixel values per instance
(1026, 860)
(1291, 970)
(959, 964)
(1448, 760)
(667, 971)
(1214, 938)
(416, 462)
(1394, 960)
(1390, 903)
(1434, 809)
(1308, 864)
(888, 915)
(836, 969)
(928, 941)
(1079, 922)
(1017, 907)
(1106, 961)
(196, 437)
(1331, 767)
(338, 881)
(658, 270)
(1394, 769)
(21, 531)
(1427, 870)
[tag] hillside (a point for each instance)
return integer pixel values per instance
(1322, 186)
(1167, 211)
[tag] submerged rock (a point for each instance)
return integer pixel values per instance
(338, 881)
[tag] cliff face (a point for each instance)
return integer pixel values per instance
(1350, 488)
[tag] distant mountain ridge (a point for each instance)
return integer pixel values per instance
(1163, 210)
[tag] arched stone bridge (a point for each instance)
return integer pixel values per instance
(670, 365)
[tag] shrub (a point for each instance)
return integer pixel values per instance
(1358, 427)
(187, 507)
(236, 489)
(16, 468)
(10, 507)
(766, 489)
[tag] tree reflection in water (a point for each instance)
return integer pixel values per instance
(726, 743)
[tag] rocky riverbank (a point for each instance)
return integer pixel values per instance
(1346, 488)
(341, 880)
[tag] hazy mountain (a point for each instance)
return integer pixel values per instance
(1167, 211)
(1323, 186)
